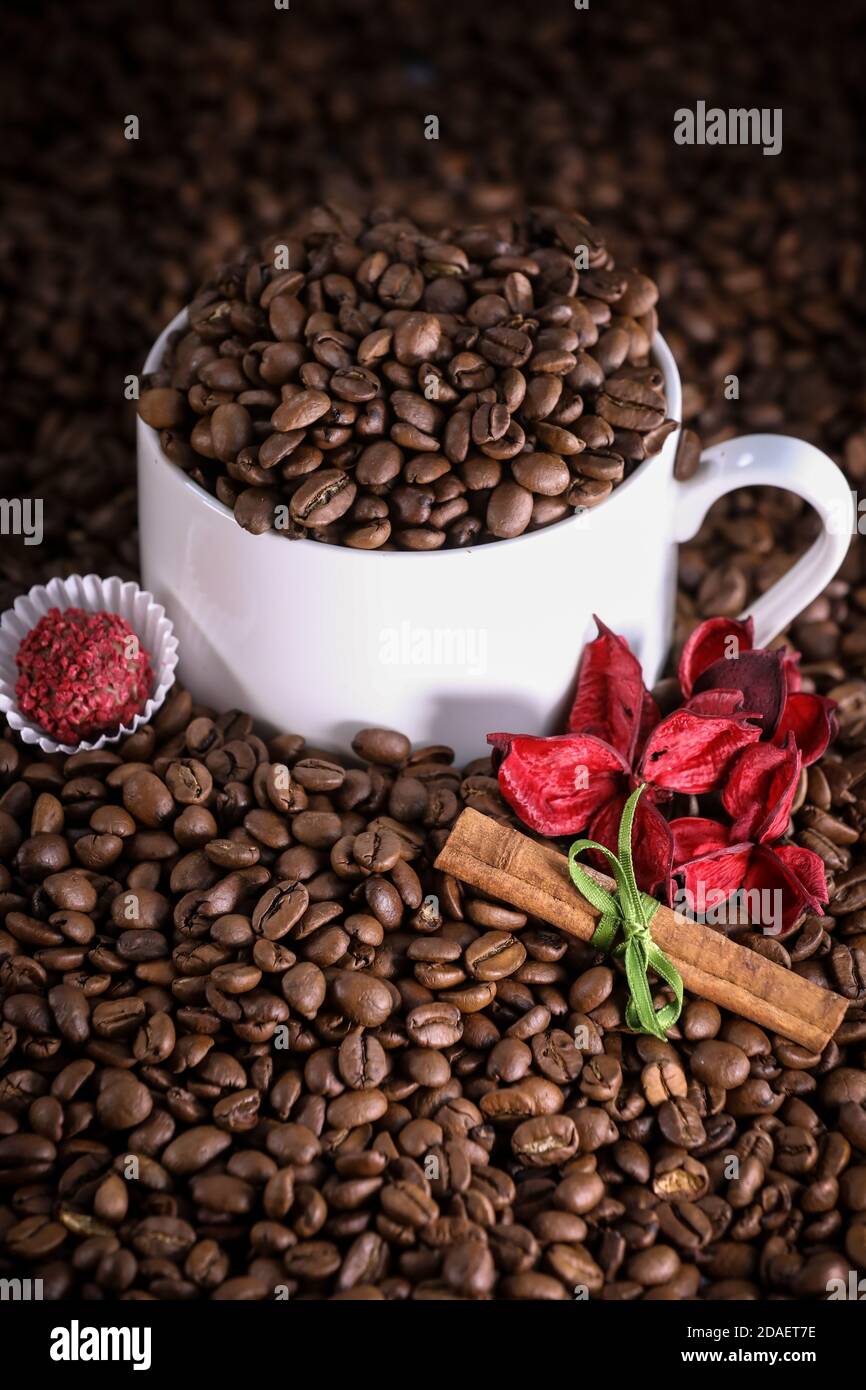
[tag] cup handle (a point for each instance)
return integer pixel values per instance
(775, 460)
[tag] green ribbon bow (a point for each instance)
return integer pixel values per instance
(633, 911)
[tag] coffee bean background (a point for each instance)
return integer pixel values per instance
(169, 906)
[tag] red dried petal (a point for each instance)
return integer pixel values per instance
(760, 676)
(719, 702)
(760, 791)
(774, 871)
(649, 717)
(812, 720)
(652, 842)
(695, 836)
(692, 753)
(557, 784)
(711, 878)
(708, 644)
(774, 896)
(793, 679)
(809, 870)
(500, 744)
(610, 701)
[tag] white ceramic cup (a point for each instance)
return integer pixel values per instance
(451, 644)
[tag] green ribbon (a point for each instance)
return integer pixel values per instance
(633, 912)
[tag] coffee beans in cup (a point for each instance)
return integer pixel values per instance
(363, 383)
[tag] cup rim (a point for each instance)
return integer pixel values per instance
(660, 354)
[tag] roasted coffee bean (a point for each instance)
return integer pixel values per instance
(494, 956)
(383, 746)
(301, 410)
(681, 1124)
(362, 1061)
(194, 1149)
(701, 1020)
(542, 473)
(663, 1081)
(434, 1025)
(509, 510)
(148, 799)
(363, 998)
(323, 497)
(547, 1140)
(123, 1101)
(688, 456)
(279, 910)
(719, 1064)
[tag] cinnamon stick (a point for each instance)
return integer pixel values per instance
(534, 878)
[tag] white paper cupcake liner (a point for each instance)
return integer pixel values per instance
(145, 616)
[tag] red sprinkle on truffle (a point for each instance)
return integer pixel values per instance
(82, 674)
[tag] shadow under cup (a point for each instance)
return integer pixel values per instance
(446, 646)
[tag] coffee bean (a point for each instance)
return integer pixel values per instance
(719, 1064)
(280, 909)
(434, 1025)
(550, 1139)
(541, 473)
(194, 1149)
(162, 408)
(71, 1011)
(509, 510)
(723, 591)
(382, 746)
(355, 1108)
(680, 1123)
(324, 497)
(231, 429)
(123, 1101)
(35, 1238)
(301, 410)
(688, 456)
(362, 1061)
(591, 989)
(701, 1020)
(663, 1081)
(148, 799)
(579, 1193)
(407, 1205)
(852, 1123)
(362, 998)
(494, 956)
(655, 1266)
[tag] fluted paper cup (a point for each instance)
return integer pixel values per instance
(145, 616)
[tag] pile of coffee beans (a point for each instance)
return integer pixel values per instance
(393, 389)
(256, 1047)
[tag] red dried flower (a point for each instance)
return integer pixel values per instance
(82, 674)
(720, 655)
(562, 785)
(579, 781)
(713, 861)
